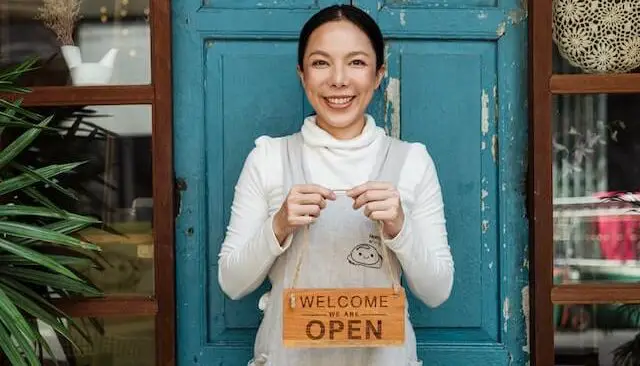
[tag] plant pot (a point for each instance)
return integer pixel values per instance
(89, 73)
(598, 36)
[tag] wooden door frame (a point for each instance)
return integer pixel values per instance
(543, 84)
(540, 183)
(158, 95)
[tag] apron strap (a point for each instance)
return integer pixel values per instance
(292, 162)
(394, 159)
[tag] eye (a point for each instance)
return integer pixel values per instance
(358, 63)
(319, 63)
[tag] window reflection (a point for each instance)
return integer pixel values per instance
(596, 188)
(118, 341)
(596, 334)
(114, 185)
(109, 43)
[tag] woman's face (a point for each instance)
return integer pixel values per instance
(340, 77)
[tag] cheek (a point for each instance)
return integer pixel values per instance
(314, 81)
(367, 81)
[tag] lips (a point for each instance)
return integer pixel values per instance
(339, 102)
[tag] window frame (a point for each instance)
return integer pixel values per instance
(543, 85)
(157, 95)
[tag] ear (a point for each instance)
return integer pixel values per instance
(380, 74)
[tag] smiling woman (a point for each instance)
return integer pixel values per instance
(339, 78)
(297, 224)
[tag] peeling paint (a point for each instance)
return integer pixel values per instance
(386, 59)
(502, 27)
(490, 265)
(181, 186)
(485, 112)
(516, 16)
(484, 195)
(496, 105)
(392, 101)
(485, 225)
(403, 21)
(483, 15)
(483, 145)
(494, 147)
(506, 314)
(525, 311)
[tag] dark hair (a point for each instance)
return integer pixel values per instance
(343, 12)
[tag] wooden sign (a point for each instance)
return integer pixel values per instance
(368, 317)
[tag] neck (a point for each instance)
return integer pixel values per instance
(348, 132)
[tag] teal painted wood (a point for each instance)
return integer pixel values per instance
(456, 81)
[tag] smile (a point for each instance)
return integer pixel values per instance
(339, 102)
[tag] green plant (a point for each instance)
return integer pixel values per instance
(37, 249)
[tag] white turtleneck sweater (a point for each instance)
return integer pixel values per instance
(250, 247)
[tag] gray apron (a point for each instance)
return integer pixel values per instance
(343, 251)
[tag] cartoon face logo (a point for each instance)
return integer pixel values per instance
(365, 255)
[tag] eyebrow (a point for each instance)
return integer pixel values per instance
(350, 54)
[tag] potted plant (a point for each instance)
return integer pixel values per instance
(61, 17)
(37, 249)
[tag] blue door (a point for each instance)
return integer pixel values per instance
(456, 82)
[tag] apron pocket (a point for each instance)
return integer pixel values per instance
(263, 360)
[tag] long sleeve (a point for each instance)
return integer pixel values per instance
(422, 246)
(250, 246)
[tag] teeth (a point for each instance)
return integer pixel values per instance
(339, 100)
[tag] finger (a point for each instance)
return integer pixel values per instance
(376, 206)
(385, 215)
(311, 199)
(314, 188)
(372, 196)
(302, 210)
(306, 198)
(303, 220)
(358, 190)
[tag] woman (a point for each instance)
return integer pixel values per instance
(309, 209)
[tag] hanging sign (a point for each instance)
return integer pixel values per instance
(367, 317)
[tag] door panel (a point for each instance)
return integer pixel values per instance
(455, 82)
(244, 112)
(436, 79)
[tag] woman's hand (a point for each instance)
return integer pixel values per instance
(301, 207)
(381, 202)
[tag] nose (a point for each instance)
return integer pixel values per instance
(338, 76)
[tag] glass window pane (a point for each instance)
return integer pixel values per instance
(114, 185)
(594, 334)
(119, 341)
(596, 182)
(108, 43)
(596, 37)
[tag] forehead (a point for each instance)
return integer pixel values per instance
(339, 36)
